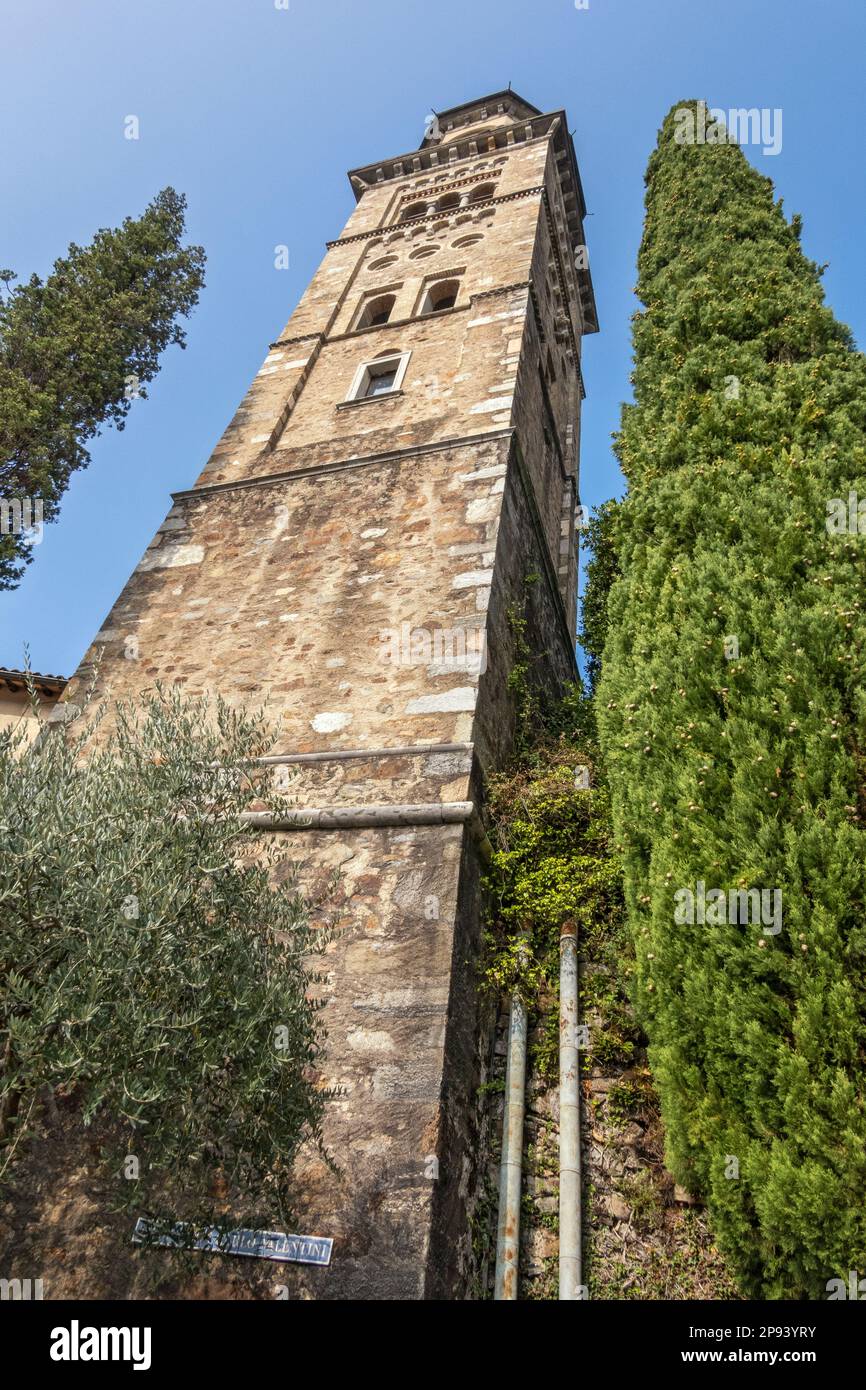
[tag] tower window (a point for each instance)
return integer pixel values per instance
(450, 200)
(440, 296)
(484, 190)
(376, 311)
(413, 210)
(382, 376)
(380, 381)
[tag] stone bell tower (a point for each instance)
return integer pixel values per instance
(350, 559)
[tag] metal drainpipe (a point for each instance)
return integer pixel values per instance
(511, 1167)
(569, 1119)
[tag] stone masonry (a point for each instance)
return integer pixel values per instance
(353, 565)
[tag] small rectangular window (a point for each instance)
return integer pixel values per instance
(383, 376)
(380, 382)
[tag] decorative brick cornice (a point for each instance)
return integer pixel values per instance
(416, 194)
(502, 289)
(439, 156)
(445, 215)
(288, 342)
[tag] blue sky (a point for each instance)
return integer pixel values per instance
(256, 113)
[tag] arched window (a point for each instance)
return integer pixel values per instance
(484, 190)
(448, 201)
(442, 295)
(376, 311)
(413, 210)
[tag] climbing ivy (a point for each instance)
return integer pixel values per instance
(552, 862)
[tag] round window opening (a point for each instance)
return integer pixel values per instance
(468, 240)
(382, 262)
(423, 252)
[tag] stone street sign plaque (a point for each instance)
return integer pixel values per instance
(261, 1245)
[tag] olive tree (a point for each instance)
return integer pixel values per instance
(154, 959)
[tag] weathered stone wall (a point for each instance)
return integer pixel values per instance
(391, 998)
(524, 590)
(302, 596)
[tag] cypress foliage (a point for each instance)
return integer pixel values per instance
(75, 350)
(732, 716)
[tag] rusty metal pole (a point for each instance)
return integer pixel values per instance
(570, 1268)
(511, 1166)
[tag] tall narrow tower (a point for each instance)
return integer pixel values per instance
(351, 558)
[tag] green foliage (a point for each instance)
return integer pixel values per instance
(629, 1098)
(744, 770)
(519, 684)
(601, 570)
(150, 966)
(551, 863)
(76, 348)
(645, 1200)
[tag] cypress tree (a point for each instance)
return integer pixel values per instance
(75, 351)
(732, 715)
